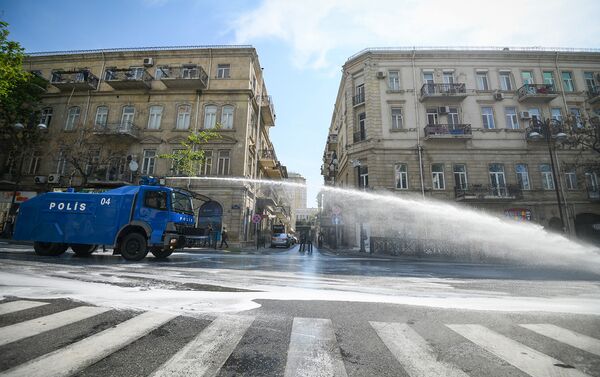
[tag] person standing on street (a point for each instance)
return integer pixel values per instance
(224, 238)
(309, 244)
(209, 233)
(302, 241)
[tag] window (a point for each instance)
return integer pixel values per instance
(162, 71)
(505, 82)
(155, 117)
(72, 118)
(460, 176)
(46, 117)
(223, 71)
(101, 116)
(432, 116)
(396, 118)
(527, 77)
(482, 81)
(568, 84)
(556, 114)
(535, 113)
(92, 161)
(571, 179)
(227, 117)
(361, 133)
(223, 163)
(487, 114)
(61, 165)
(590, 83)
(401, 176)
(110, 74)
(34, 162)
(547, 179)
(512, 120)
(453, 117)
(189, 71)
(359, 94)
(549, 79)
(448, 78)
(394, 80)
(210, 116)
(429, 83)
(576, 113)
(522, 176)
(149, 161)
(206, 168)
(127, 117)
(591, 181)
(183, 117)
(156, 200)
(437, 176)
(176, 169)
(135, 73)
(363, 177)
(497, 180)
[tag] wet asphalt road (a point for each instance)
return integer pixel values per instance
(269, 344)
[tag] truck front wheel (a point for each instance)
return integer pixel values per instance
(49, 248)
(134, 247)
(161, 253)
(83, 250)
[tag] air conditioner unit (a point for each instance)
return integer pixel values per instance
(148, 62)
(498, 96)
(525, 115)
(443, 109)
(53, 178)
(380, 75)
(40, 179)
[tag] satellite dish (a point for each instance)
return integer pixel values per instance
(133, 166)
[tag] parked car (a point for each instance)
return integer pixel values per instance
(280, 239)
(292, 239)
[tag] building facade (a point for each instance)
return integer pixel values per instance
(128, 107)
(467, 126)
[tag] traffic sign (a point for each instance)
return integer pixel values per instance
(256, 218)
(336, 210)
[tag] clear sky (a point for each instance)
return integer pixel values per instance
(301, 44)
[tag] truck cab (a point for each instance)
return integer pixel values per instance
(134, 220)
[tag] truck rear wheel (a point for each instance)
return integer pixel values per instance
(49, 248)
(161, 253)
(83, 250)
(134, 247)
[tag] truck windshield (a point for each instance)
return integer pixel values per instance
(182, 203)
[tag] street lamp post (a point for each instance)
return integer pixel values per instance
(551, 131)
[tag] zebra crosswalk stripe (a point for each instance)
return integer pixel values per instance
(207, 353)
(313, 350)
(412, 351)
(572, 338)
(15, 306)
(530, 361)
(22, 330)
(77, 356)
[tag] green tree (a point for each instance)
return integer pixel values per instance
(187, 159)
(11, 63)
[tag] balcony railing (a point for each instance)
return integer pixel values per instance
(358, 99)
(359, 136)
(184, 77)
(81, 79)
(456, 91)
(593, 193)
(593, 94)
(492, 192)
(117, 129)
(448, 131)
(268, 111)
(128, 78)
(537, 93)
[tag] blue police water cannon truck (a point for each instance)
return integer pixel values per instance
(134, 220)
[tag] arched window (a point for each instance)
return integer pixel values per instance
(183, 117)
(72, 118)
(227, 117)
(210, 116)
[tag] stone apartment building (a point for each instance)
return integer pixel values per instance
(136, 104)
(460, 125)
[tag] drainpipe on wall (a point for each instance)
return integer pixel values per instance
(418, 128)
(558, 179)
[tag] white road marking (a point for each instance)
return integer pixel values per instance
(77, 356)
(572, 338)
(313, 350)
(15, 306)
(412, 351)
(207, 353)
(530, 361)
(22, 330)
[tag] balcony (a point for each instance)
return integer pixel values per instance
(77, 80)
(445, 92)
(448, 131)
(267, 158)
(593, 94)
(332, 141)
(536, 93)
(185, 77)
(126, 129)
(128, 78)
(358, 99)
(488, 192)
(268, 111)
(359, 136)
